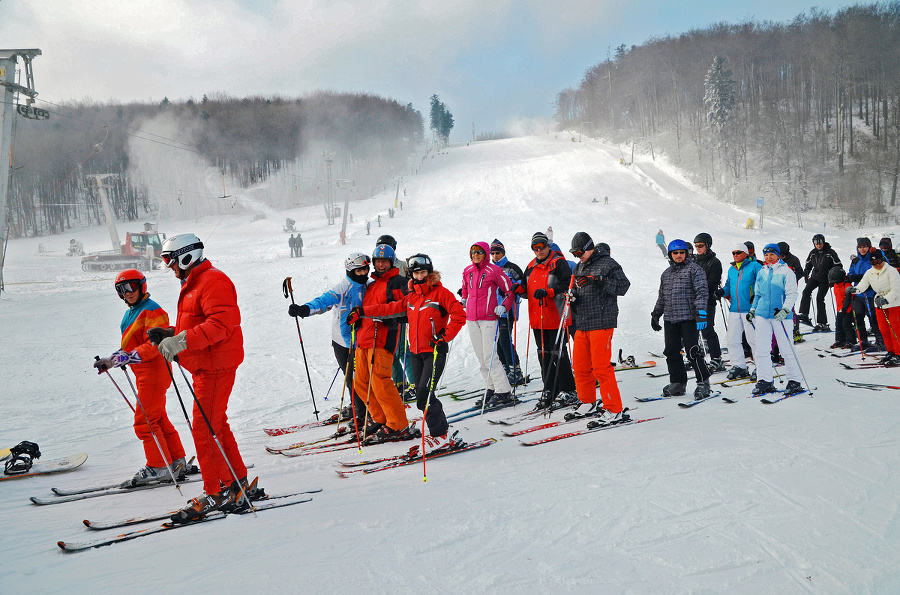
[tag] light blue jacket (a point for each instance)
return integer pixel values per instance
(345, 295)
(776, 288)
(740, 283)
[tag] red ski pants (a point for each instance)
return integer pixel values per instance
(591, 365)
(889, 325)
(377, 388)
(152, 395)
(213, 388)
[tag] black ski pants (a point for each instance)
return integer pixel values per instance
(423, 366)
(506, 350)
(864, 307)
(554, 360)
(709, 333)
(678, 334)
(821, 313)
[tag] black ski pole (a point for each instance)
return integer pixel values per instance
(289, 290)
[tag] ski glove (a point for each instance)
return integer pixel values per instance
(880, 301)
(463, 302)
(103, 364)
(355, 316)
(750, 316)
(298, 311)
(540, 293)
(500, 311)
(170, 347)
(122, 358)
(586, 280)
(654, 323)
(782, 314)
(438, 339)
(519, 289)
(701, 320)
(158, 333)
(719, 293)
(853, 290)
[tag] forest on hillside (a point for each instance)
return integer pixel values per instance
(194, 158)
(804, 114)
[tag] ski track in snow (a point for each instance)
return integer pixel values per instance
(801, 496)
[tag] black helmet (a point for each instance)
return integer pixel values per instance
(387, 239)
(419, 262)
(836, 275)
(784, 247)
(818, 238)
(703, 238)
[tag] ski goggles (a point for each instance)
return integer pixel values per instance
(418, 261)
(172, 256)
(577, 253)
(539, 246)
(127, 287)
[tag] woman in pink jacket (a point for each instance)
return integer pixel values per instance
(481, 281)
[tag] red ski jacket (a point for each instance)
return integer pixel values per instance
(208, 311)
(554, 276)
(384, 289)
(430, 308)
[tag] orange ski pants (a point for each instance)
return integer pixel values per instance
(378, 389)
(151, 388)
(591, 365)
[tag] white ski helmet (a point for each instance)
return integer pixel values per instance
(186, 249)
(357, 260)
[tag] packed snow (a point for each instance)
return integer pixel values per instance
(801, 496)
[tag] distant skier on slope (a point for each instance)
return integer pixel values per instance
(661, 243)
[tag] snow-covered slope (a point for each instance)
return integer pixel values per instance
(801, 496)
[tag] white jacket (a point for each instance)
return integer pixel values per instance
(885, 282)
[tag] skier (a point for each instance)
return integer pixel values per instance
(775, 294)
(683, 298)
(375, 345)
(506, 348)
(884, 280)
(342, 297)
(844, 330)
(864, 302)
(208, 342)
(887, 246)
(712, 267)
(298, 244)
(151, 378)
(599, 282)
(661, 243)
(482, 282)
(435, 318)
(368, 226)
(547, 278)
(821, 258)
(292, 244)
(401, 355)
(738, 290)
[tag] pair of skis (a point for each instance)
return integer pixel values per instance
(411, 457)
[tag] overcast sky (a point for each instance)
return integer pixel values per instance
(491, 61)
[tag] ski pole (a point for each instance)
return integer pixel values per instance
(369, 380)
(434, 355)
(336, 372)
(490, 366)
(209, 426)
(152, 433)
(352, 379)
(527, 351)
(289, 290)
(794, 351)
(116, 384)
(562, 335)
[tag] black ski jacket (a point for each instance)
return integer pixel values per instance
(596, 301)
(819, 262)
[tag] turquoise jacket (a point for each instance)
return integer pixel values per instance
(740, 283)
(776, 288)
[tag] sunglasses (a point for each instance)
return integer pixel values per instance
(127, 287)
(735, 253)
(539, 246)
(701, 245)
(495, 252)
(477, 252)
(679, 251)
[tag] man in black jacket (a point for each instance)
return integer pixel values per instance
(821, 258)
(712, 266)
(599, 281)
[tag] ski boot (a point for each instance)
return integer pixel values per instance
(584, 410)
(674, 389)
(792, 388)
(716, 365)
(488, 395)
(545, 402)
(608, 418)
(702, 391)
(148, 476)
(736, 373)
(501, 400)
(764, 387)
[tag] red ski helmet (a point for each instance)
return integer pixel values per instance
(129, 280)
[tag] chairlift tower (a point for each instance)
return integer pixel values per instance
(8, 111)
